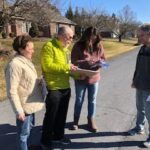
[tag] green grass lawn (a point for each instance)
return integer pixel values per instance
(112, 48)
(2, 81)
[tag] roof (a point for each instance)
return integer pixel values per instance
(105, 30)
(17, 17)
(61, 19)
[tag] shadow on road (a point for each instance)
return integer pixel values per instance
(8, 139)
(85, 127)
(85, 145)
(8, 136)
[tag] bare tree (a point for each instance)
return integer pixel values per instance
(123, 23)
(119, 24)
(85, 18)
(127, 22)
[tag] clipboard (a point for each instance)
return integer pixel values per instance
(87, 72)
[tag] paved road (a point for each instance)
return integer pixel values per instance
(116, 113)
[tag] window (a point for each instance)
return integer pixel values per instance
(24, 27)
(28, 26)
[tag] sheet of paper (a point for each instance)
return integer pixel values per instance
(87, 72)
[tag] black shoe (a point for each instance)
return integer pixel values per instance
(64, 141)
(46, 147)
(135, 131)
(31, 147)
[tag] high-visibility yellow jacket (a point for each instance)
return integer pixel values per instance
(55, 65)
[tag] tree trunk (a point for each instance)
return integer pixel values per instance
(120, 38)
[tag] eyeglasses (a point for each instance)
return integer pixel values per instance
(68, 37)
(71, 37)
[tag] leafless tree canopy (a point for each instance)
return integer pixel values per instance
(39, 11)
(90, 18)
(119, 24)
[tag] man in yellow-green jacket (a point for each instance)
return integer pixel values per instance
(56, 69)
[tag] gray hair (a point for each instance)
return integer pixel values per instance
(63, 30)
(145, 28)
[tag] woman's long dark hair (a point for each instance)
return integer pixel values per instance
(86, 36)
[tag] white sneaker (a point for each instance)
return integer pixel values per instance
(147, 143)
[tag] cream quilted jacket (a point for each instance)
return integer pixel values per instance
(22, 86)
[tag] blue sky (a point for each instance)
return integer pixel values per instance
(141, 8)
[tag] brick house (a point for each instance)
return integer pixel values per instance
(58, 21)
(17, 26)
(20, 26)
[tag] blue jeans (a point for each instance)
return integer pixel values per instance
(143, 108)
(80, 90)
(23, 131)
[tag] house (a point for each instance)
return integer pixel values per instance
(20, 26)
(108, 33)
(56, 22)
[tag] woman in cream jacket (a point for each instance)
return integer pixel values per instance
(23, 88)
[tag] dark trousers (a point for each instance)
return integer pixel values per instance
(57, 102)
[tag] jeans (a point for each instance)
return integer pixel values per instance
(57, 102)
(80, 90)
(23, 131)
(143, 108)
